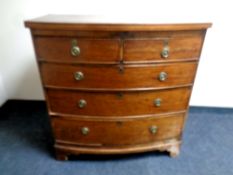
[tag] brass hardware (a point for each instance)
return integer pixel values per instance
(82, 103)
(121, 66)
(121, 69)
(153, 129)
(85, 130)
(74, 42)
(78, 76)
(162, 76)
(75, 50)
(119, 123)
(119, 95)
(165, 51)
(157, 102)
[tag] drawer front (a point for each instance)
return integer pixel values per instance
(118, 103)
(120, 132)
(139, 76)
(79, 50)
(162, 49)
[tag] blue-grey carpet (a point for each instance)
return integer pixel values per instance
(26, 147)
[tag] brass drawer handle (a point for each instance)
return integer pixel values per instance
(75, 50)
(157, 102)
(82, 103)
(165, 52)
(153, 129)
(85, 130)
(162, 76)
(78, 76)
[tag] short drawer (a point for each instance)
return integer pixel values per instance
(112, 77)
(65, 49)
(118, 103)
(119, 132)
(160, 49)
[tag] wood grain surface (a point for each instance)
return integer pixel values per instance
(118, 103)
(150, 49)
(110, 77)
(110, 133)
(107, 23)
(59, 48)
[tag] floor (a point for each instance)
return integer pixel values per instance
(26, 147)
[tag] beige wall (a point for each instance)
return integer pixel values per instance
(19, 77)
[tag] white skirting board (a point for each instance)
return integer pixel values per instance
(3, 95)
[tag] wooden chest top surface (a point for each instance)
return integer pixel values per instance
(108, 23)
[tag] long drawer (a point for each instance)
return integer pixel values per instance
(118, 103)
(113, 77)
(119, 132)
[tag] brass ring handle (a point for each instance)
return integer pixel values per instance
(75, 50)
(153, 129)
(78, 76)
(85, 130)
(82, 103)
(157, 102)
(162, 76)
(165, 52)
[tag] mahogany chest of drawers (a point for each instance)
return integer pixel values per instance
(116, 87)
